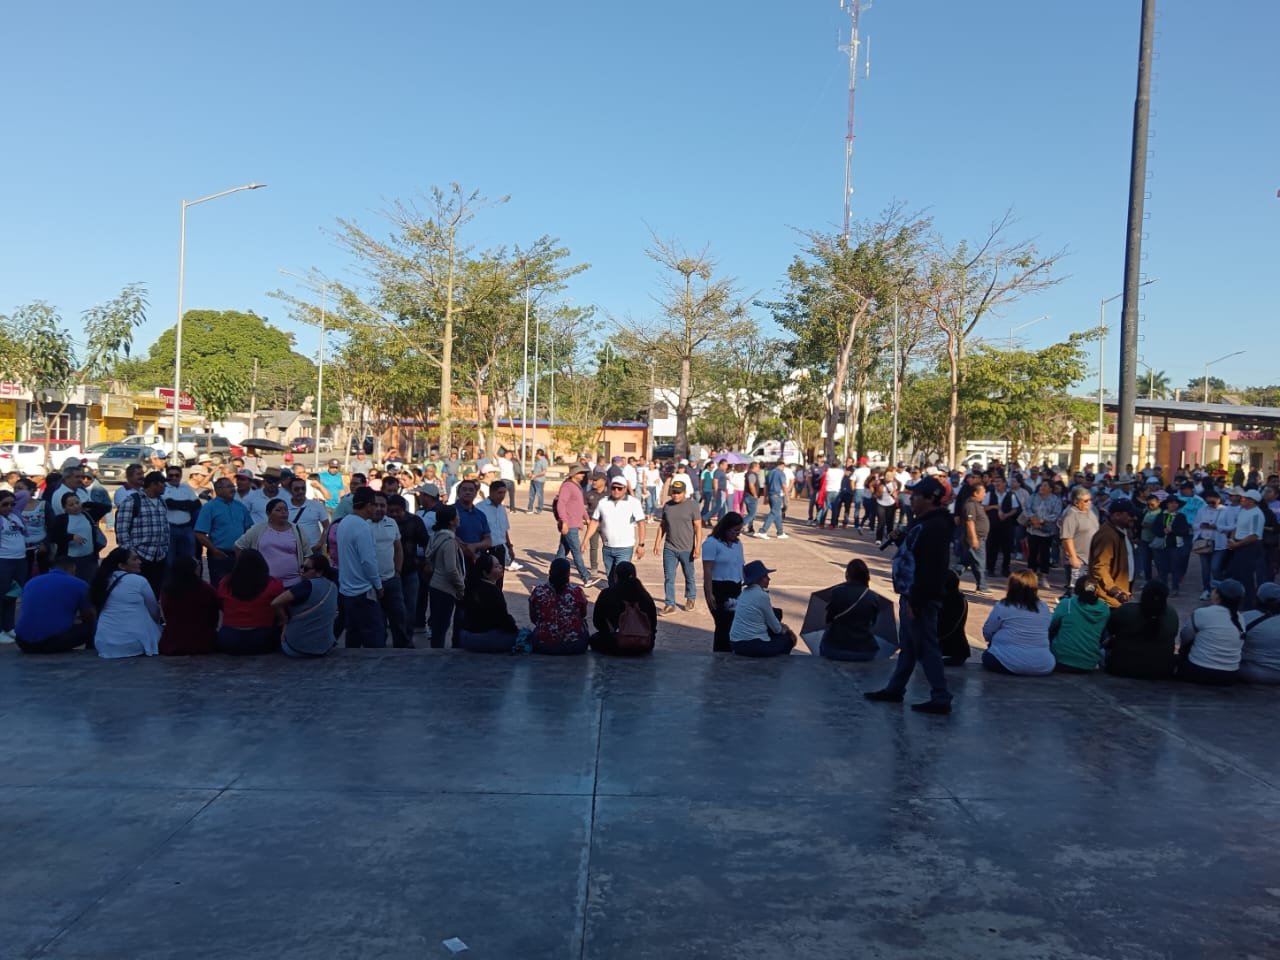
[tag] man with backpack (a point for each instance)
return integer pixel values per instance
(919, 569)
(143, 527)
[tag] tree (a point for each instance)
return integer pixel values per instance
(37, 351)
(969, 282)
(1154, 386)
(226, 343)
(700, 312)
(1217, 389)
(217, 391)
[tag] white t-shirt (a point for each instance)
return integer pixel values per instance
(834, 476)
(81, 492)
(179, 518)
(13, 537)
(1218, 643)
(499, 520)
(1250, 521)
(727, 558)
(790, 474)
(618, 519)
(308, 518)
(737, 482)
(860, 475)
(385, 534)
(632, 477)
(507, 469)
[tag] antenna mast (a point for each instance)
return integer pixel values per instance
(853, 48)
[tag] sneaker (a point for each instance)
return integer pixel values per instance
(877, 543)
(784, 536)
(940, 707)
(1043, 583)
(593, 582)
(761, 536)
(689, 605)
(515, 565)
(668, 609)
(6, 636)
(1204, 596)
(883, 696)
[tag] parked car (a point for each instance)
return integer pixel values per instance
(192, 446)
(97, 450)
(113, 462)
(29, 457)
(308, 445)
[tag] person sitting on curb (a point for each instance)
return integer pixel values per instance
(757, 629)
(625, 616)
(852, 613)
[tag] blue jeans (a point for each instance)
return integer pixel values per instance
(182, 542)
(409, 583)
(670, 558)
(535, 494)
(975, 559)
(651, 501)
(750, 506)
(571, 543)
(393, 613)
(918, 642)
(614, 555)
(775, 514)
(860, 512)
(363, 617)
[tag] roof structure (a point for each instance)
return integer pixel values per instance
(1197, 412)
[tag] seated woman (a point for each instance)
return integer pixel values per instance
(281, 544)
(1260, 658)
(952, 620)
(76, 535)
(625, 616)
(757, 629)
(308, 610)
(852, 613)
(487, 627)
(129, 618)
(1213, 638)
(1075, 632)
(248, 619)
(1140, 636)
(558, 610)
(1017, 630)
(190, 608)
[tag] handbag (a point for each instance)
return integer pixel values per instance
(827, 629)
(1202, 546)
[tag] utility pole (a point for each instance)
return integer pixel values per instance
(253, 400)
(853, 48)
(897, 386)
(649, 415)
(1133, 242)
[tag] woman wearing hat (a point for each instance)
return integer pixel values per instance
(1260, 658)
(1213, 638)
(1170, 532)
(757, 629)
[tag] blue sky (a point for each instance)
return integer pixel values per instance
(710, 121)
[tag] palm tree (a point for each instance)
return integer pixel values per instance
(1155, 385)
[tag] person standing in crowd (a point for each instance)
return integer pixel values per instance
(1003, 508)
(1079, 526)
(199, 484)
(390, 551)
(413, 547)
(620, 520)
(832, 480)
(775, 488)
(307, 611)
(190, 609)
(308, 515)
(254, 500)
(538, 481)
(30, 509)
(507, 472)
(359, 581)
(919, 569)
(143, 527)
(1170, 531)
(182, 505)
(655, 486)
(814, 484)
(558, 610)
(757, 629)
(677, 542)
(1146, 515)
(1140, 636)
(884, 494)
(448, 583)
(56, 615)
(975, 528)
(487, 626)
(722, 566)
(625, 616)
(861, 502)
(331, 483)
(280, 543)
(1111, 556)
(570, 511)
(473, 531)
(500, 526)
(1210, 543)
(74, 534)
(249, 624)
(356, 481)
(221, 522)
(1247, 557)
(128, 617)
(1213, 638)
(1017, 630)
(751, 495)
(1043, 515)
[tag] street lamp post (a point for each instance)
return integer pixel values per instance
(1203, 431)
(324, 305)
(177, 339)
(1102, 346)
(1023, 326)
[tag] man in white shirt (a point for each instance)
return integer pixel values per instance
(390, 554)
(499, 524)
(863, 509)
(507, 474)
(182, 505)
(631, 475)
(620, 520)
(255, 501)
(831, 493)
(307, 514)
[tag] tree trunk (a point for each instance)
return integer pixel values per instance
(446, 357)
(838, 383)
(953, 409)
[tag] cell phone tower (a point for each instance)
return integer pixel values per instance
(855, 9)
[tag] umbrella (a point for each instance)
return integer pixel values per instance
(259, 444)
(734, 459)
(815, 618)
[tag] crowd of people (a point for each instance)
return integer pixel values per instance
(233, 561)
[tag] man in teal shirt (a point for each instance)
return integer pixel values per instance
(331, 480)
(220, 523)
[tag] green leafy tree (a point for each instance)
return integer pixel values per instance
(217, 392)
(37, 350)
(1218, 389)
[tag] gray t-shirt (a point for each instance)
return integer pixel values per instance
(1079, 526)
(677, 523)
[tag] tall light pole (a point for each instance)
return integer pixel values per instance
(1102, 348)
(1023, 326)
(897, 389)
(524, 393)
(182, 268)
(324, 304)
(1206, 396)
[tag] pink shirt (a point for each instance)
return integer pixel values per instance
(280, 549)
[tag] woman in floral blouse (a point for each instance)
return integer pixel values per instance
(558, 610)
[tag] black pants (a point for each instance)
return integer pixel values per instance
(154, 572)
(1038, 554)
(80, 635)
(885, 517)
(1000, 544)
(722, 590)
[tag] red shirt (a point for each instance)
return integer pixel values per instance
(248, 614)
(190, 621)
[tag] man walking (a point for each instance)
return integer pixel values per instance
(359, 582)
(143, 527)
(678, 539)
(221, 522)
(620, 520)
(537, 481)
(775, 488)
(918, 571)
(570, 511)
(182, 506)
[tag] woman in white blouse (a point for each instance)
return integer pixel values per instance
(129, 619)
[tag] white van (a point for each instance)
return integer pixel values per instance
(769, 450)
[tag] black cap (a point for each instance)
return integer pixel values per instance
(929, 487)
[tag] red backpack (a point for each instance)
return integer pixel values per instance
(635, 632)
